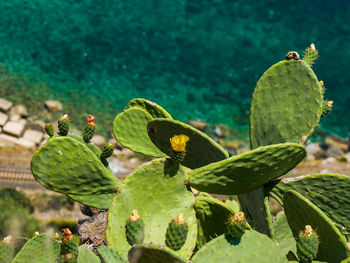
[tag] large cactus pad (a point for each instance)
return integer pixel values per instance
(200, 149)
(251, 247)
(301, 212)
(158, 193)
(286, 104)
(248, 171)
(153, 254)
(87, 256)
(150, 107)
(329, 192)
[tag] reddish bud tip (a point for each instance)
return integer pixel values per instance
(90, 119)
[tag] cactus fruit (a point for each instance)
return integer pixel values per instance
(107, 151)
(176, 233)
(134, 229)
(178, 145)
(90, 129)
(310, 55)
(69, 247)
(236, 225)
(327, 106)
(49, 129)
(307, 245)
(63, 125)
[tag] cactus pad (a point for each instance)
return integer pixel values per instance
(39, 249)
(248, 171)
(283, 234)
(251, 247)
(200, 149)
(153, 254)
(67, 166)
(100, 201)
(7, 252)
(109, 255)
(130, 130)
(212, 215)
(87, 256)
(300, 212)
(150, 107)
(324, 191)
(286, 104)
(157, 191)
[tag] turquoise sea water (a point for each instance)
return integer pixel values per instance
(199, 59)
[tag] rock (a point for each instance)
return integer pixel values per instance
(314, 150)
(3, 118)
(14, 128)
(23, 121)
(116, 144)
(33, 135)
(53, 105)
(15, 117)
(99, 140)
(199, 125)
(5, 105)
(219, 131)
(37, 125)
(75, 131)
(342, 144)
(329, 160)
(9, 141)
(334, 151)
(21, 110)
(243, 150)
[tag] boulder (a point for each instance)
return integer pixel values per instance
(99, 140)
(5, 105)
(199, 125)
(37, 125)
(14, 128)
(9, 141)
(15, 117)
(33, 135)
(21, 110)
(53, 105)
(334, 151)
(3, 118)
(342, 144)
(314, 151)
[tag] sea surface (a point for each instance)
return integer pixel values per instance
(199, 59)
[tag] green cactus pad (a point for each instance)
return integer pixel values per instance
(130, 130)
(329, 192)
(109, 255)
(154, 254)
(150, 107)
(7, 252)
(300, 212)
(100, 201)
(200, 149)
(251, 247)
(286, 104)
(67, 166)
(212, 215)
(157, 191)
(87, 256)
(39, 249)
(248, 171)
(283, 234)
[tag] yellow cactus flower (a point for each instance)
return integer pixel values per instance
(178, 142)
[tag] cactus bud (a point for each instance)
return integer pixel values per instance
(69, 258)
(178, 145)
(63, 125)
(310, 55)
(176, 233)
(36, 233)
(236, 225)
(307, 245)
(69, 246)
(49, 129)
(90, 129)
(326, 107)
(134, 229)
(107, 151)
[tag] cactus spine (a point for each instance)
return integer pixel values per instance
(63, 125)
(134, 229)
(176, 233)
(307, 245)
(90, 129)
(236, 225)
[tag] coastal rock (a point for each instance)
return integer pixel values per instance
(53, 105)
(334, 151)
(314, 151)
(15, 117)
(199, 125)
(99, 140)
(342, 144)
(219, 131)
(9, 141)
(5, 105)
(3, 118)
(33, 135)
(20, 110)
(14, 128)
(37, 125)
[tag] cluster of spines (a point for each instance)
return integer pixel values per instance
(236, 225)
(134, 229)
(307, 245)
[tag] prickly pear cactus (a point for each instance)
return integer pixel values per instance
(301, 212)
(134, 229)
(87, 256)
(283, 234)
(307, 244)
(237, 225)
(150, 107)
(7, 252)
(39, 249)
(176, 233)
(248, 171)
(251, 247)
(109, 255)
(286, 104)
(158, 192)
(154, 254)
